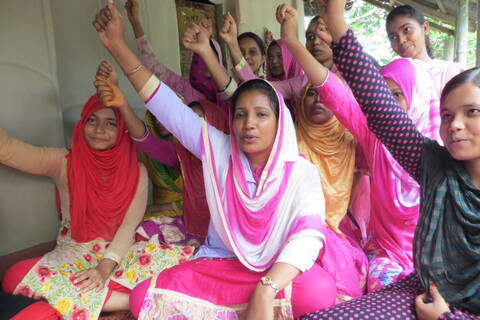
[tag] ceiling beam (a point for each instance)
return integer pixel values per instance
(441, 6)
(387, 7)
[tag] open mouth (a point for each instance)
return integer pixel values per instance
(249, 138)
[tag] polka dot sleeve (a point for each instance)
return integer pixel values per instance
(458, 315)
(385, 117)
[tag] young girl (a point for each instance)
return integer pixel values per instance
(408, 34)
(180, 172)
(102, 194)
(265, 202)
(445, 245)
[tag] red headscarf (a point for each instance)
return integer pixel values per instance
(101, 184)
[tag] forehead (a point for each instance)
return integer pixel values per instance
(248, 43)
(105, 113)
(467, 94)
(274, 47)
(400, 21)
(312, 26)
(253, 98)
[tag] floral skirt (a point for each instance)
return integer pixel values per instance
(51, 279)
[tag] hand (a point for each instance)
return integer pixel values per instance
(287, 16)
(196, 39)
(334, 9)
(432, 310)
(229, 32)
(109, 25)
(133, 11)
(208, 25)
(109, 94)
(107, 71)
(90, 279)
(267, 37)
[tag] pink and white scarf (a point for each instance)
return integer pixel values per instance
(400, 194)
(287, 204)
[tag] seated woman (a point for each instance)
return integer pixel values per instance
(408, 34)
(102, 193)
(445, 283)
(265, 200)
(179, 172)
(324, 141)
(198, 86)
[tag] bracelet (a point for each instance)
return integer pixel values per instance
(134, 70)
(112, 256)
(227, 85)
(266, 281)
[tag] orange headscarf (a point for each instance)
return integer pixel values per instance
(101, 184)
(331, 148)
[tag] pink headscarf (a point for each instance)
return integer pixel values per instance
(395, 196)
(291, 68)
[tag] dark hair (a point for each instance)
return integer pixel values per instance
(412, 13)
(470, 75)
(314, 19)
(258, 85)
(256, 38)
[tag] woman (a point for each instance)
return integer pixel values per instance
(280, 63)
(395, 197)
(199, 86)
(324, 141)
(445, 244)
(270, 192)
(102, 194)
(408, 34)
(174, 168)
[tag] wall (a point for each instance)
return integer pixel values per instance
(30, 112)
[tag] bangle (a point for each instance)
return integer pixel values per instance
(112, 256)
(266, 281)
(227, 85)
(134, 70)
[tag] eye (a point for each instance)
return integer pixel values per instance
(407, 29)
(253, 52)
(91, 120)
(398, 94)
(262, 114)
(474, 112)
(393, 37)
(310, 37)
(112, 124)
(445, 116)
(238, 115)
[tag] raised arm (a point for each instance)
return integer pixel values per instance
(30, 159)
(335, 95)
(196, 40)
(161, 150)
(172, 79)
(385, 117)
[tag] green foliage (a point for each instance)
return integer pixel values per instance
(368, 23)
